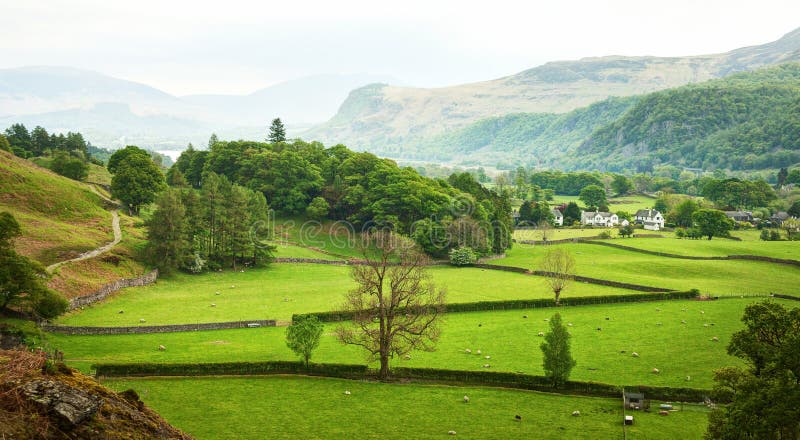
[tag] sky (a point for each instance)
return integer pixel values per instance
(236, 47)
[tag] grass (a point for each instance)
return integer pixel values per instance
(280, 290)
(678, 350)
(710, 277)
(290, 251)
(317, 408)
(629, 204)
(334, 237)
(560, 234)
(716, 247)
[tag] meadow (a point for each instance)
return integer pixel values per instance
(735, 277)
(317, 408)
(282, 289)
(654, 330)
(715, 247)
(630, 203)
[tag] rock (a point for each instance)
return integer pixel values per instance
(141, 319)
(69, 404)
(683, 321)
(663, 413)
(525, 316)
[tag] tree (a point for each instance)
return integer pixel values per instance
(22, 279)
(137, 181)
(277, 132)
(621, 185)
(782, 175)
(593, 196)
(791, 226)
(558, 361)
(4, 144)
(167, 245)
(794, 210)
(711, 222)
(558, 265)
(626, 231)
(463, 256)
(68, 166)
(302, 337)
(122, 154)
(318, 208)
(572, 213)
(765, 396)
(395, 307)
(681, 215)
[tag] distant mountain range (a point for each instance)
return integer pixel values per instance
(431, 124)
(114, 112)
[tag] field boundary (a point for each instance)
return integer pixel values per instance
(362, 372)
(108, 289)
(170, 328)
(579, 278)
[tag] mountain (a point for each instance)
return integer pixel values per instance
(112, 112)
(387, 119)
(305, 100)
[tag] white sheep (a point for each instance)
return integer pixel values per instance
(232, 286)
(346, 392)
(141, 319)
(702, 312)
(216, 293)
(161, 348)
(688, 378)
(466, 399)
(488, 357)
(705, 325)
(569, 324)
(478, 352)
(541, 333)
(468, 351)
(486, 365)
(576, 413)
(715, 339)
(656, 371)
(683, 321)
(635, 354)
(451, 433)
(213, 304)
(407, 357)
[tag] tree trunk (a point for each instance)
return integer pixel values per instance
(384, 374)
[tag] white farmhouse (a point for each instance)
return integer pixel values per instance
(650, 219)
(598, 218)
(558, 217)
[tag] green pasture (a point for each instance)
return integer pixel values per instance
(735, 277)
(282, 289)
(715, 247)
(685, 354)
(279, 407)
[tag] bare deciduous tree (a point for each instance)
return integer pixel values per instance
(558, 265)
(395, 307)
(544, 230)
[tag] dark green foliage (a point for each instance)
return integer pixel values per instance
(4, 144)
(794, 210)
(137, 180)
(572, 213)
(277, 132)
(711, 222)
(681, 215)
(746, 121)
(463, 256)
(69, 166)
(120, 155)
(621, 185)
(318, 208)
(230, 368)
(593, 196)
(558, 361)
(738, 194)
(626, 231)
(302, 337)
(765, 397)
(22, 279)
(560, 182)
(533, 213)
(168, 246)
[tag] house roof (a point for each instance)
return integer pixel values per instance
(596, 213)
(780, 216)
(647, 213)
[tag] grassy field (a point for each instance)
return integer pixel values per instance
(715, 247)
(278, 291)
(333, 237)
(290, 251)
(561, 233)
(630, 204)
(317, 408)
(678, 350)
(710, 277)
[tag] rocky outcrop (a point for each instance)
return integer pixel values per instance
(67, 404)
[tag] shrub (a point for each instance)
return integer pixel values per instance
(764, 235)
(463, 256)
(318, 208)
(49, 304)
(604, 235)
(680, 233)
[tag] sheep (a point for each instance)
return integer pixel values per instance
(216, 293)
(486, 365)
(232, 286)
(478, 352)
(569, 324)
(213, 304)
(702, 312)
(541, 333)
(705, 325)
(466, 399)
(468, 351)
(407, 357)
(488, 357)
(121, 311)
(546, 320)
(715, 339)
(346, 392)
(451, 432)
(576, 413)
(658, 323)
(688, 378)
(286, 300)
(656, 371)
(635, 354)
(683, 321)
(161, 348)
(141, 319)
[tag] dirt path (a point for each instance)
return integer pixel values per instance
(98, 251)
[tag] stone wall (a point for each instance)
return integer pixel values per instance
(110, 288)
(69, 330)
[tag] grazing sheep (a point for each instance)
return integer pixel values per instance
(466, 399)
(683, 321)
(121, 311)
(468, 351)
(546, 320)
(407, 357)
(635, 354)
(216, 293)
(486, 365)
(346, 392)
(569, 324)
(683, 310)
(488, 357)
(715, 339)
(161, 348)
(518, 418)
(688, 378)
(478, 352)
(705, 325)
(702, 312)
(232, 286)
(141, 319)
(576, 413)
(541, 333)
(451, 433)
(213, 304)
(656, 371)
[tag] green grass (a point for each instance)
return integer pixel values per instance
(316, 408)
(280, 290)
(560, 233)
(629, 204)
(677, 350)
(330, 236)
(710, 277)
(290, 251)
(716, 247)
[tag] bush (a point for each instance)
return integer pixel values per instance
(49, 304)
(680, 233)
(233, 368)
(604, 235)
(317, 209)
(70, 167)
(463, 256)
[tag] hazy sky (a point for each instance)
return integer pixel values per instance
(235, 46)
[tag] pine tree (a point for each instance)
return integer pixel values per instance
(277, 132)
(168, 247)
(558, 361)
